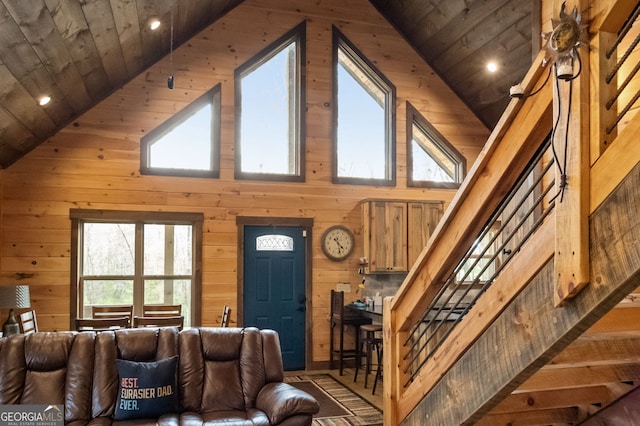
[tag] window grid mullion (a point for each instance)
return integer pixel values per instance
(138, 283)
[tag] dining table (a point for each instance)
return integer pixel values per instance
(367, 311)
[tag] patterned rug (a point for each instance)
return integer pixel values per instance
(339, 406)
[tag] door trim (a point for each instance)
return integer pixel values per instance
(307, 225)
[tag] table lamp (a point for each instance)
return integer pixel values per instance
(13, 296)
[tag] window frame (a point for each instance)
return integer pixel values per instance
(212, 96)
(414, 116)
(339, 40)
(297, 35)
(80, 216)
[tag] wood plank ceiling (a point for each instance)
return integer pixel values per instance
(458, 38)
(78, 52)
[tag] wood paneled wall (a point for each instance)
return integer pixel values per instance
(93, 163)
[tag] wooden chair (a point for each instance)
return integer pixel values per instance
(161, 310)
(339, 321)
(226, 313)
(112, 311)
(174, 321)
(28, 322)
(101, 324)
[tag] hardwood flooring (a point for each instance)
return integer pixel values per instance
(358, 386)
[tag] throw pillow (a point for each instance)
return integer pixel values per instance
(147, 389)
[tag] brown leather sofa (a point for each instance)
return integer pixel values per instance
(231, 376)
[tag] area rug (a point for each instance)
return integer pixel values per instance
(339, 406)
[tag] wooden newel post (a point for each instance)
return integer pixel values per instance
(571, 142)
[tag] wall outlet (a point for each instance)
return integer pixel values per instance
(344, 287)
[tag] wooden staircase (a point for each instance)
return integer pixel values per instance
(554, 338)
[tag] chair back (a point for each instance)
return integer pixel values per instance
(161, 310)
(28, 322)
(101, 324)
(174, 321)
(341, 315)
(337, 304)
(112, 311)
(226, 313)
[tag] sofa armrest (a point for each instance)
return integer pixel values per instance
(280, 400)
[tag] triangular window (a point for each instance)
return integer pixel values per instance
(432, 160)
(188, 143)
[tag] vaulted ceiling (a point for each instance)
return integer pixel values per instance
(79, 51)
(459, 38)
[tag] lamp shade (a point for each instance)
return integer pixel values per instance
(14, 296)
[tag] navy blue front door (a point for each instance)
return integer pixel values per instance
(274, 287)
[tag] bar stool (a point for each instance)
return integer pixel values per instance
(368, 343)
(339, 320)
(378, 345)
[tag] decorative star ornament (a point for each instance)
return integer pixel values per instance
(562, 43)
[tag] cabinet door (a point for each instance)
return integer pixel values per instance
(388, 239)
(422, 218)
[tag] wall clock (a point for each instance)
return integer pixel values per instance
(337, 242)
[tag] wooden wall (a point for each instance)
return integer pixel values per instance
(94, 162)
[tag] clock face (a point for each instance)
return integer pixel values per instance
(337, 242)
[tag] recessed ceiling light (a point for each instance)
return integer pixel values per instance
(44, 100)
(154, 24)
(492, 66)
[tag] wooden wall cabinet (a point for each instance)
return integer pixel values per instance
(384, 232)
(395, 232)
(422, 219)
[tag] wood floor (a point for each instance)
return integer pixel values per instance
(358, 386)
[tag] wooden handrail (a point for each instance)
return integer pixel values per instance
(534, 255)
(493, 172)
(512, 144)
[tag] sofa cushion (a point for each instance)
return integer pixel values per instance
(147, 389)
(221, 380)
(48, 368)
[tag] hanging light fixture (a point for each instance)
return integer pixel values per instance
(170, 78)
(561, 47)
(562, 43)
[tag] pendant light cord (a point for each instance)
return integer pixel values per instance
(170, 78)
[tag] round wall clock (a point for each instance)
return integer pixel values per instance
(337, 242)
